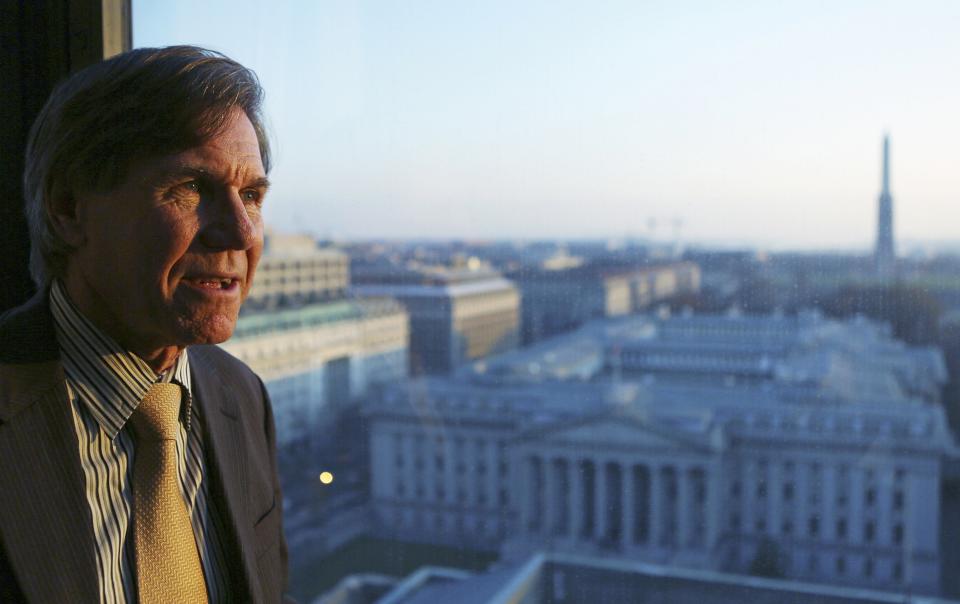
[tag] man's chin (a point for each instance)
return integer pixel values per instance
(207, 330)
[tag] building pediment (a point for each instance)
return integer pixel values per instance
(622, 433)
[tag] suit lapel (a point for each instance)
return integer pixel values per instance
(227, 462)
(44, 518)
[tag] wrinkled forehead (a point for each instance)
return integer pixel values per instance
(237, 137)
(233, 152)
(232, 156)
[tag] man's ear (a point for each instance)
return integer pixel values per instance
(64, 214)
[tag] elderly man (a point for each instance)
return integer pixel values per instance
(137, 460)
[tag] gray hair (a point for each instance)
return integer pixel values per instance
(136, 105)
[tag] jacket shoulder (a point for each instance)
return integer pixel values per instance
(27, 333)
(222, 361)
(210, 360)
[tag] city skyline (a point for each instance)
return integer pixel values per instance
(753, 125)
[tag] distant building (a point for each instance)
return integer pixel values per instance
(293, 271)
(884, 254)
(316, 349)
(317, 359)
(456, 315)
(812, 448)
(559, 300)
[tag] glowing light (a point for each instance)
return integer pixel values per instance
(326, 477)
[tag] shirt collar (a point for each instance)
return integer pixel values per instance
(109, 380)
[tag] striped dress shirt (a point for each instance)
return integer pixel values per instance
(105, 383)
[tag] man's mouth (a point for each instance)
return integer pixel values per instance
(213, 283)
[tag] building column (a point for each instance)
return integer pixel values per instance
(656, 513)
(533, 513)
(684, 506)
(539, 508)
(700, 483)
(563, 495)
(857, 503)
(410, 472)
(492, 476)
(668, 500)
(549, 513)
(600, 499)
(576, 498)
(628, 505)
(715, 505)
(589, 502)
(616, 502)
(828, 502)
(776, 507)
(451, 477)
(523, 485)
(885, 482)
(643, 500)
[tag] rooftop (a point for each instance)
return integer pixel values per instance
(843, 382)
(554, 577)
(311, 315)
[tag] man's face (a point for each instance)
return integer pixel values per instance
(166, 257)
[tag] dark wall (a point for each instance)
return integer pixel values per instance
(41, 42)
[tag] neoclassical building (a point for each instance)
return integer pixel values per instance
(816, 457)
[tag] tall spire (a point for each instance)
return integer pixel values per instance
(886, 165)
(884, 255)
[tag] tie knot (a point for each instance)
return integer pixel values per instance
(157, 416)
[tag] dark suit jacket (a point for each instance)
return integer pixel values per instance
(46, 536)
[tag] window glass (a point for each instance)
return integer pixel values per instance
(554, 286)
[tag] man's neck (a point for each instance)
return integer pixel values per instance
(159, 358)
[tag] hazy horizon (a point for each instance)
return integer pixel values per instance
(754, 124)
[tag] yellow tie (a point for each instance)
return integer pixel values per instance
(168, 565)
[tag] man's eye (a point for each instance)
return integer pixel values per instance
(251, 195)
(187, 188)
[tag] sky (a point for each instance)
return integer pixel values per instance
(722, 122)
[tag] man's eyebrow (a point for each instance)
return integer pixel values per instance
(181, 170)
(261, 183)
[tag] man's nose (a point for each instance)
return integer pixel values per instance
(227, 223)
